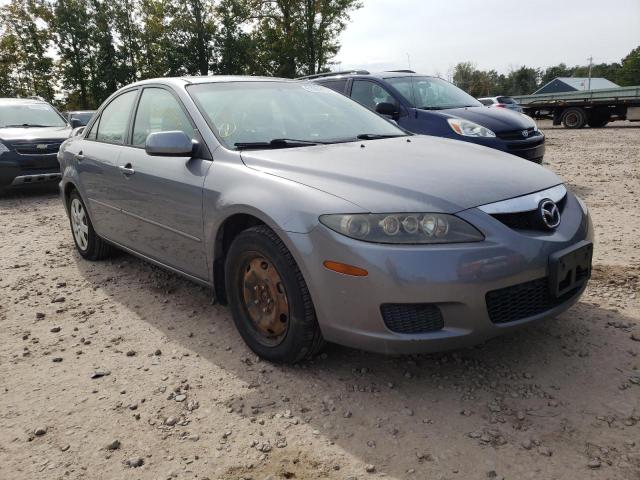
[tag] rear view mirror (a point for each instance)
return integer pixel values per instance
(173, 144)
(75, 122)
(77, 131)
(388, 109)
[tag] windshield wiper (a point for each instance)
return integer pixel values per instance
(276, 143)
(26, 125)
(376, 136)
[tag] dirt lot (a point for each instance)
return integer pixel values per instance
(184, 398)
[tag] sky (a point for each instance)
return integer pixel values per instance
(492, 34)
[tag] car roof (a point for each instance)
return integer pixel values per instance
(378, 75)
(188, 80)
(21, 101)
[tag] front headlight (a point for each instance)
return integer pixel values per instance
(3, 148)
(403, 228)
(469, 129)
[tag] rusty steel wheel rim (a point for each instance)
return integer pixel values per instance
(265, 300)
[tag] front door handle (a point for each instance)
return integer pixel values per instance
(79, 156)
(127, 169)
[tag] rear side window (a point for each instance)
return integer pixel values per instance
(370, 94)
(112, 126)
(486, 101)
(507, 100)
(337, 85)
(159, 111)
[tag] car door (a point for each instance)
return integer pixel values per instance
(163, 203)
(97, 165)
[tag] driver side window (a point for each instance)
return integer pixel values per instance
(370, 94)
(159, 111)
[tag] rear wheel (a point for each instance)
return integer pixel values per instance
(574, 118)
(269, 299)
(88, 243)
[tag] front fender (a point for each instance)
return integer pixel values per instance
(283, 205)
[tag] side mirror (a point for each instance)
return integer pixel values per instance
(76, 132)
(388, 109)
(171, 144)
(75, 122)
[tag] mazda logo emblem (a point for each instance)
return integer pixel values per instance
(549, 213)
(525, 133)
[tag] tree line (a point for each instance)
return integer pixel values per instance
(77, 52)
(526, 80)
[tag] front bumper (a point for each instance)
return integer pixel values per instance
(17, 170)
(456, 278)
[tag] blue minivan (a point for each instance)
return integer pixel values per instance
(432, 106)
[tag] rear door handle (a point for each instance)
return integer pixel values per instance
(127, 169)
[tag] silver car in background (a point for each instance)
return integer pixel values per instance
(501, 102)
(317, 220)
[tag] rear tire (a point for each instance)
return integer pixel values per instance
(89, 245)
(262, 276)
(574, 117)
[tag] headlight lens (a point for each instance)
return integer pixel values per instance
(469, 129)
(403, 228)
(3, 148)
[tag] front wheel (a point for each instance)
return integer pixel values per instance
(88, 243)
(269, 299)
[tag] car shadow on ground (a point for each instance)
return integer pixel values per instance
(44, 190)
(374, 407)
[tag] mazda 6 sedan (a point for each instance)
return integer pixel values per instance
(317, 220)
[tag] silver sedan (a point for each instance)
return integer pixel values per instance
(317, 220)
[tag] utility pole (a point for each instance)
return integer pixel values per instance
(409, 61)
(590, 65)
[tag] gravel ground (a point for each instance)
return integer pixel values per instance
(117, 369)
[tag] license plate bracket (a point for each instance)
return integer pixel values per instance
(570, 269)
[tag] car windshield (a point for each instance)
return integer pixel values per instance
(29, 115)
(432, 93)
(280, 114)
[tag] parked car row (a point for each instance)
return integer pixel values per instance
(316, 219)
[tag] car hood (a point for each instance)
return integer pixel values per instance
(425, 174)
(34, 133)
(497, 120)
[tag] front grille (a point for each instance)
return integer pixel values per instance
(37, 148)
(529, 220)
(523, 300)
(412, 317)
(517, 134)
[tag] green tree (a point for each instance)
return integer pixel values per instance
(235, 47)
(107, 73)
(72, 34)
(629, 73)
(26, 25)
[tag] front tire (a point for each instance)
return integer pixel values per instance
(269, 300)
(89, 245)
